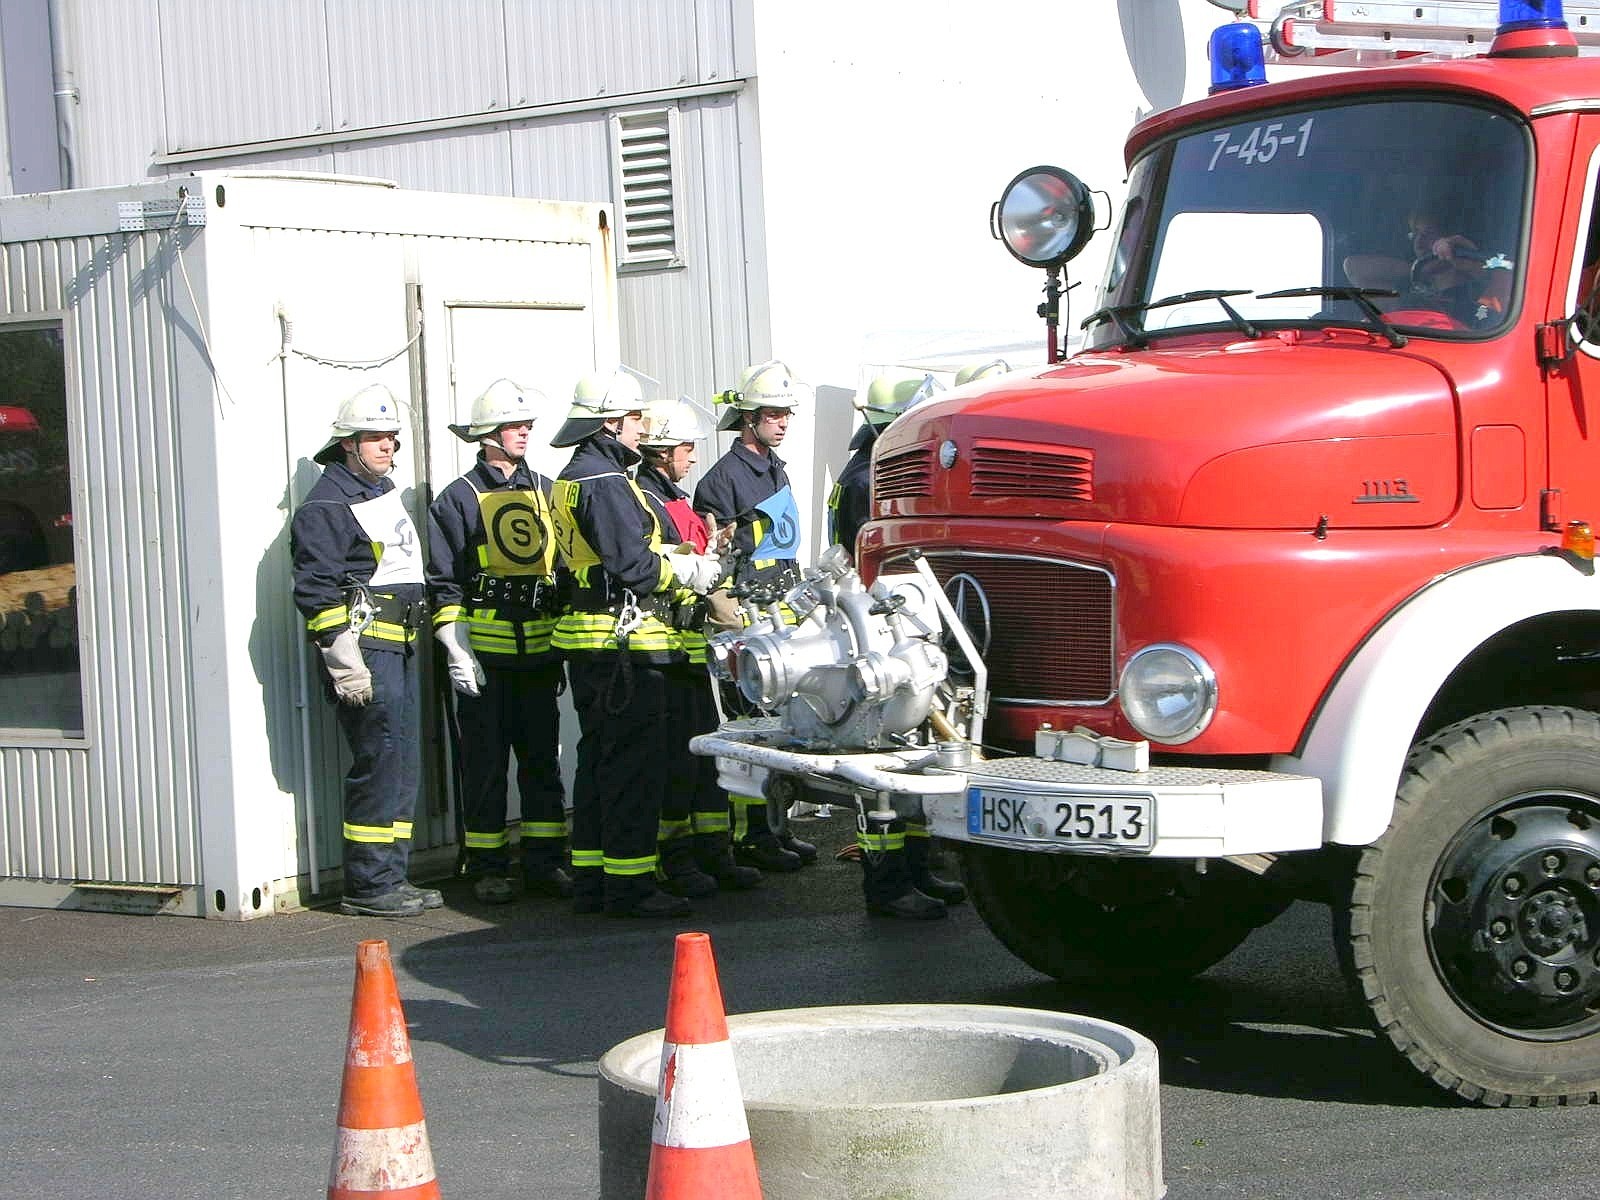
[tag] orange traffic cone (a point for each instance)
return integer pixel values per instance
(699, 1141)
(382, 1145)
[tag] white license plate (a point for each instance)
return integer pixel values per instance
(1108, 822)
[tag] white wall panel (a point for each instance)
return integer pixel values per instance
(564, 158)
(117, 68)
(473, 160)
(242, 71)
(571, 49)
(401, 60)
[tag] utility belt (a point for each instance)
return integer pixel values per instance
(511, 595)
(678, 614)
(382, 614)
(778, 573)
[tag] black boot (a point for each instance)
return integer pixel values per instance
(886, 876)
(642, 898)
(544, 869)
(767, 854)
(677, 871)
(918, 848)
(588, 890)
(759, 846)
(713, 853)
(805, 851)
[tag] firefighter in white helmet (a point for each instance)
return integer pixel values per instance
(358, 581)
(887, 396)
(696, 853)
(492, 569)
(632, 591)
(749, 488)
(896, 878)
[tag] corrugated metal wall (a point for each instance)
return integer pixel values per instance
(172, 77)
(120, 806)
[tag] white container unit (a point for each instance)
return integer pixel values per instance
(171, 355)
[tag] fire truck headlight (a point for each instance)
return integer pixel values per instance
(1168, 693)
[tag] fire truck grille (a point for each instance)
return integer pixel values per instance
(1049, 472)
(904, 473)
(1050, 625)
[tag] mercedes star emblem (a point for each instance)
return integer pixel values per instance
(971, 603)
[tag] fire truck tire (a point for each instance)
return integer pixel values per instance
(1112, 921)
(1474, 921)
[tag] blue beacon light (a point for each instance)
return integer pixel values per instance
(1531, 14)
(1533, 29)
(1236, 57)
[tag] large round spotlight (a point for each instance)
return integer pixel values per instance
(1168, 693)
(1044, 217)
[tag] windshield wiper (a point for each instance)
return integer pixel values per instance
(1137, 338)
(1361, 297)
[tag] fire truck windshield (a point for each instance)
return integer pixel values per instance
(1424, 197)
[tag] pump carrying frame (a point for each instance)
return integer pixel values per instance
(1356, 33)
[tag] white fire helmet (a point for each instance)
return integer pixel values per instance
(975, 371)
(501, 403)
(597, 398)
(371, 410)
(763, 385)
(892, 393)
(669, 425)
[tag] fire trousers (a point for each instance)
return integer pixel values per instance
(620, 778)
(380, 789)
(694, 802)
(515, 714)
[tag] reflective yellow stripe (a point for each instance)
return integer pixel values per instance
(630, 866)
(449, 613)
(487, 841)
(544, 829)
(375, 834)
(402, 830)
(920, 831)
(666, 829)
(594, 631)
(329, 618)
(880, 843)
(489, 634)
(741, 813)
(387, 631)
(588, 858)
(710, 822)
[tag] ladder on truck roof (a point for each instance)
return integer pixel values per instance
(1340, 33)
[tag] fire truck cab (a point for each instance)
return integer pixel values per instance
(1283, 585)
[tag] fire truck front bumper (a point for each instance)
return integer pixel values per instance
(1040, 805)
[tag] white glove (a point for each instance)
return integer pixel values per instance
(352, 681)
(697, 572)
(466, 672)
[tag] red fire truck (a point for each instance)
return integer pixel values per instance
(1283, 585)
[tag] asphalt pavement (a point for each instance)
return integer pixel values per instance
(173, 1057)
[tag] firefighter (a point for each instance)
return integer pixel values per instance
(358, 581)
(888, 396)
(694, 838)
(897, 878)
(749, 488)
(628, 593)
(492, 571)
